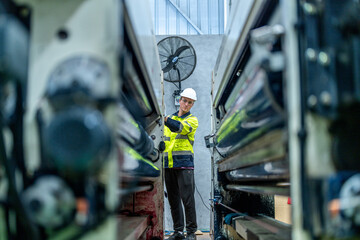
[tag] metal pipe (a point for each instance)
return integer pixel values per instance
(251, 116)
(279, 189)
(135, 165)
(268, 171)
(134, 134)
(122, 192)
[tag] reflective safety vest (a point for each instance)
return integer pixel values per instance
(179, 140)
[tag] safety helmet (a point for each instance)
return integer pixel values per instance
(189, 93)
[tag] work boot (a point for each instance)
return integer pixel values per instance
(191, 236)
(176, 236)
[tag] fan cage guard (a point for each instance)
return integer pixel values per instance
(187, 59)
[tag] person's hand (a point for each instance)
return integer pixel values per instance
(165, 119)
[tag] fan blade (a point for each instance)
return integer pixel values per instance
(180, 50)
(175, 57)
(168, 67)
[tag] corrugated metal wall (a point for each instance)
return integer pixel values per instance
(188, 17)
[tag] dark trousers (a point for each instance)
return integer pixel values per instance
(180, 186)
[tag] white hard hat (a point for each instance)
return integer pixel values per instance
(189, 93)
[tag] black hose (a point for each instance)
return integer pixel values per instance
(30, 231)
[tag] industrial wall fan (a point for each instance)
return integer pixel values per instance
(178, 61)
(177, 57)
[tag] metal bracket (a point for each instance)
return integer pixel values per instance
(207, 141)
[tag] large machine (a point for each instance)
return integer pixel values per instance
(286, 105)
(81, 104)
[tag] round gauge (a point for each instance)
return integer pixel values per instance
(83, 72)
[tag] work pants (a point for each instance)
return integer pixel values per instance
(180, 186)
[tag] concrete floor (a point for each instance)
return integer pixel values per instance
(204, 236)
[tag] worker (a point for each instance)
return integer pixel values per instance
(179, 133)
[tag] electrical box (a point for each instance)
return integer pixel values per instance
(177, 100)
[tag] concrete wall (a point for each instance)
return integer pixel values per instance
(207, 48)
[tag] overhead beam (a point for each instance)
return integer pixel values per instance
(185, 16)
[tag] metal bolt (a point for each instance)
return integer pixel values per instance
(310, 54)
(309, 8)
(159, 122)
(153, 137)
(24, 12)
(312, 101)
(238, 73)
(325, 98)
(324, 58)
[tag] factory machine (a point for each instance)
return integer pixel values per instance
(80, 113)
(286, 113)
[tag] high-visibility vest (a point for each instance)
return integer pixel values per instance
(179, 150)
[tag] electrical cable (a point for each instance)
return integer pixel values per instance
(175, 84)
(201, 198)
(16, 126)
(217, 150)
(260, 223)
